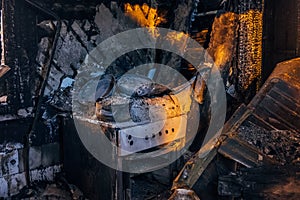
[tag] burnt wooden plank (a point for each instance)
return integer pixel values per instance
(241, 152)
(286, 100)
(9, 46)
(282, 113)
(271, 118)
(289, 90)
(259, 122)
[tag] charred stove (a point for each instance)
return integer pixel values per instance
(140, 122)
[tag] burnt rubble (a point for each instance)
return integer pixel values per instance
(281, 145)
(268, 182)
(60, 189)
(256, 156)
(261, 142)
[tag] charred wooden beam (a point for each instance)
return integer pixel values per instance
(18, 50)
(8, 50)
(3, 68)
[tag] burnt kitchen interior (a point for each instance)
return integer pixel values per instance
(253, 43)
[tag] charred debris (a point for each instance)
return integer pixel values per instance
(43, 48)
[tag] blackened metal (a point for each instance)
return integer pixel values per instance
(275, 110)
(37, 109)
(96, 180)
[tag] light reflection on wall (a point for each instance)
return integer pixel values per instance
(144, 15)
